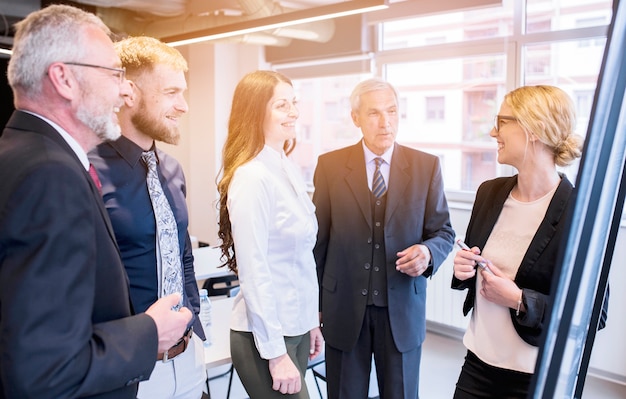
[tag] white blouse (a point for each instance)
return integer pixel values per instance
(274, 230)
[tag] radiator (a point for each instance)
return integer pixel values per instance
(444, 306)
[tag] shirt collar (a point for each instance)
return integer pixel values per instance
(78, 150)
(130, 151)
(369, 155)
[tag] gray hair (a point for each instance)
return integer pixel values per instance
(365, 87)
(52, 34)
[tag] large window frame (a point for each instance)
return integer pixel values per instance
(511, 46)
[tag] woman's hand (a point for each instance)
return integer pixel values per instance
(499, 288)
(285, 375)
(465, 263)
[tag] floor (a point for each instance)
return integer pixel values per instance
(442, 358)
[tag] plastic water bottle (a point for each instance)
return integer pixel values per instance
(205, 315)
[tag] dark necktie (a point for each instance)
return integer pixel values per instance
(378, 182)
(167, 231)
(95, 178)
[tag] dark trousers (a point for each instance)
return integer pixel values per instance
(347, 373)
(254, 372)
(481, 380)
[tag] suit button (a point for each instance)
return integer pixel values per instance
(369, 240)
(377, 224)
(375, 292)
(363, 292)
(376, 268)
(378, 202)
(367, 266)
(377, 246)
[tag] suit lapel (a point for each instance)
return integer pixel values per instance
(398, 182)
(25, 121)
(356, 179)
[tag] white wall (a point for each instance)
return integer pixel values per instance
(214, 71)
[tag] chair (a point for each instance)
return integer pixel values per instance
(221, 285)
(218, 286)
(321, 373)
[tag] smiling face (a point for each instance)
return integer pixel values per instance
(377, 117)
(101, 90)
(281, 113)
(511, 137)
(160, 103)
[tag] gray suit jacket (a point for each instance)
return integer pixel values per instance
(416, 213)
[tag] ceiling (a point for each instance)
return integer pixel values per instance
(163, 18)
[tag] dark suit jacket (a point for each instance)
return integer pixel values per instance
(416, 213)
(67, 328)
(126, 198)
(536, 272)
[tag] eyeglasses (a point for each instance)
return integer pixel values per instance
(498, 118)
(120, 73)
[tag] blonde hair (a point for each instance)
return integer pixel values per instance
(548, 113)
(141, 54)
(244, 141)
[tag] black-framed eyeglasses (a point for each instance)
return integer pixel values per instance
(498, 118)
(120, 73)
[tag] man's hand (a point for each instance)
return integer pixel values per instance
(171, 325)
(285, 375)
(317, 340)
(414, 260)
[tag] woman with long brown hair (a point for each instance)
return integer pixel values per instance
(268, 229)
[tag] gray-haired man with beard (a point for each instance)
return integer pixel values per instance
(67, 326)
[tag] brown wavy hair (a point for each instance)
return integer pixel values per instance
(244, 141)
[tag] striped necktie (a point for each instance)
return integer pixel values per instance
(378, 183)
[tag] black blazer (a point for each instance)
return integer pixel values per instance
(416, 213)
(537, 269)
(67, 328)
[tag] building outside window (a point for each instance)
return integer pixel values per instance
(452, 71)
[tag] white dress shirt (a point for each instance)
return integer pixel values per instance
(274, 230)
(370, 164)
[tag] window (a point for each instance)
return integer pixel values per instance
(435, 108)
(452, 71)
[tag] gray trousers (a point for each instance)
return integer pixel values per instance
(254, 371)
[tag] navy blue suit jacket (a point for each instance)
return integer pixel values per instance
(416, 213)
(67, 328)
(126, 198)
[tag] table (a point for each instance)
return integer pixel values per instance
(206, 262)
(218, 352)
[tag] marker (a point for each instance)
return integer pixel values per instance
(482, 265)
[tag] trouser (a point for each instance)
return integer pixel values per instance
(183, 377)
(481, 380)
(254, 372)
(347, 373)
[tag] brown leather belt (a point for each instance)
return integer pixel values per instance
(178, 348)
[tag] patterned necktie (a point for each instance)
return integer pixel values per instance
(95, 178)
(378, 183)
(167, 232)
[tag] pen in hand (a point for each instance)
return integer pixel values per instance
(482, 265)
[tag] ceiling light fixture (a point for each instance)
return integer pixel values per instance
(277, 21)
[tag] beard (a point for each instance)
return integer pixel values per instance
(99, 117)
(153, 127)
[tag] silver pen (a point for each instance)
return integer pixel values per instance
(482, 265)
